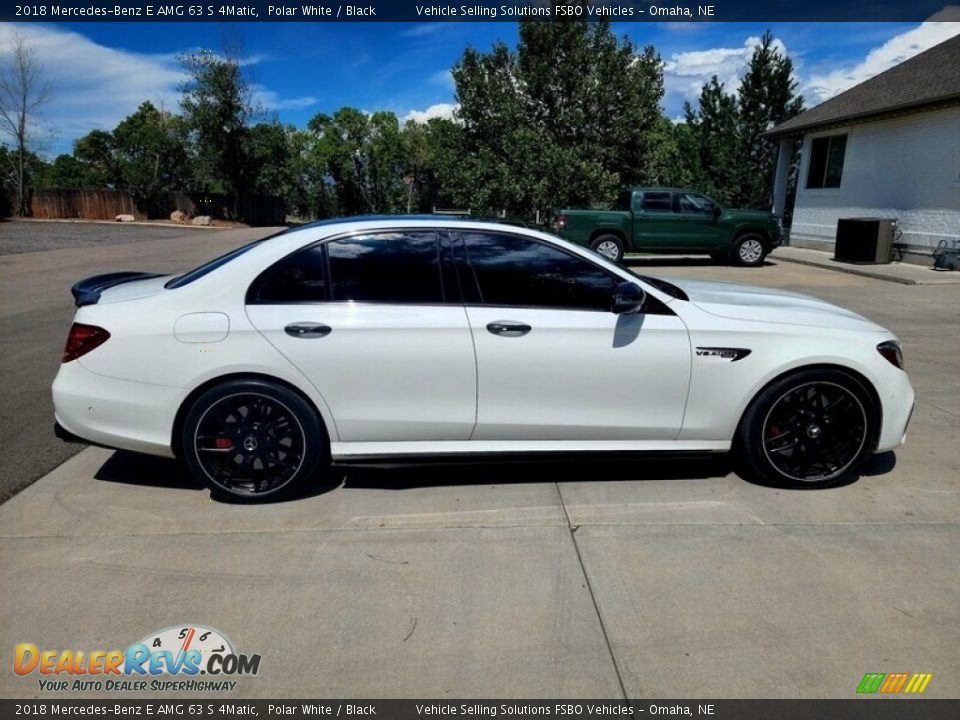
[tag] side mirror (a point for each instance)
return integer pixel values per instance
(716, 212)
(629, 298)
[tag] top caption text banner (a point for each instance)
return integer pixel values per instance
(483, 11)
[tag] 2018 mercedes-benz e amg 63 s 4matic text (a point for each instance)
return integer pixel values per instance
(413, 336)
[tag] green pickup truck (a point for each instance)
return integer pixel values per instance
(672, 220)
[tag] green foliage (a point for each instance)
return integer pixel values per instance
(364, 158)
(767, 97)
(64, 172)
(733, 161)
(567, 119)
(150, 153)
(96, 151)
(217, 107)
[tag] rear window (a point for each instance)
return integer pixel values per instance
(212, 265)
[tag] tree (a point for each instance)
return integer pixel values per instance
(149, 153)
(23, 92)
(734, 161)
(567, 119)
(767, 97)
(64, 172)
(363, 156)
(97, 153)
(713, 129)
(217, 105)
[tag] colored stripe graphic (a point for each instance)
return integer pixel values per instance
(918, 683)
(870, 683)
(893, 683)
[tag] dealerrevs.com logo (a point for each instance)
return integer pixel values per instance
(179, 658)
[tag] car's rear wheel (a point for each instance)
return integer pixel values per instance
(253, 440)
(610, 246)
(749, 250)
(812, 429)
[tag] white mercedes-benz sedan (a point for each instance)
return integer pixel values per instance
(424, 336)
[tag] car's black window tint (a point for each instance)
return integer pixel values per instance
(386, 267)
(520, 272)
(298, 278)
(657, 202)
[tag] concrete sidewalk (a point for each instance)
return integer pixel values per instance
(900, 272)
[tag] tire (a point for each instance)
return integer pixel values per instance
(609, 246)
(749, 250)
(253, 441)
(811, 429)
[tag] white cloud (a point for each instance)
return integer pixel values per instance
(440, 110)
(820, 87)
(685, 73)
(443, 78)
(94, 86)
(269, 100)
(422, 30)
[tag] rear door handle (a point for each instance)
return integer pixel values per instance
(507, 328)
(308, 330)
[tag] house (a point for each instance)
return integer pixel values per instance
(888, 147)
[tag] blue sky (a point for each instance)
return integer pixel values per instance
(102, 71)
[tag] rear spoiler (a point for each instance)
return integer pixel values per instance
(87, 291)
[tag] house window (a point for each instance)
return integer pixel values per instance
(826, 161)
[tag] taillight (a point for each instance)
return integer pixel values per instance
(891, 352)
(82, 339)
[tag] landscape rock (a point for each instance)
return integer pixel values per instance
(125, 218)
(202, 220)
(178, 216)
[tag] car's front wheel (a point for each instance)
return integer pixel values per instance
(253, 440)
(749, 250)
(812, 429)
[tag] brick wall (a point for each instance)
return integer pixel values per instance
(906, 168)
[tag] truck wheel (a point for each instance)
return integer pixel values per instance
(610, 246)
(749, 250)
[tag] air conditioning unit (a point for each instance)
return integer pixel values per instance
(865, 240)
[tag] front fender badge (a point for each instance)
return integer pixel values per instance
(724, 353)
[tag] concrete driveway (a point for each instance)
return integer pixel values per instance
(564, 579)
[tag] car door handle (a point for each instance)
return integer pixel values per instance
(506, 328)
(308, 330)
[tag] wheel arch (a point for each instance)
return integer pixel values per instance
(750, 230)
(617, 232)
(191, 398)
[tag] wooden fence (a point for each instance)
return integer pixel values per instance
(86, 204)
(107, 204)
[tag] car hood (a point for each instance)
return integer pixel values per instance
(751, 302)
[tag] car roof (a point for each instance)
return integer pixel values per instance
(440, 219)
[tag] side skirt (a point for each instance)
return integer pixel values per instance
(471, 450)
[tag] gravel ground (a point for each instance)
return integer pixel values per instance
(23, 236)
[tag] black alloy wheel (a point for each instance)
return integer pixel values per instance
(253, 440)
(813, 429)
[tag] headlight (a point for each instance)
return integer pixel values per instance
(892, 352)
